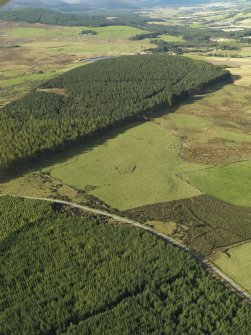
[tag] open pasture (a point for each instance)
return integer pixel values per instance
(133, 166)
(236, 263)
(244, 72)
(231, 183)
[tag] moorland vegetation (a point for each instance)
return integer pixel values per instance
(203, 222)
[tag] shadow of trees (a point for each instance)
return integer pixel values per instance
(72, 148)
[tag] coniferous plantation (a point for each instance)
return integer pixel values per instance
(51, 17)
(62, 273)
(94, 98)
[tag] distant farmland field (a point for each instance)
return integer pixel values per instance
(54, 50)
(237, 264)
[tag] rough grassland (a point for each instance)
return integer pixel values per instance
(132, 167)
(214, 127)
(237, 264)
(230, 183)
(53, 50)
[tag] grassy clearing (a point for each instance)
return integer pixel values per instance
(246, 23)
(244, 72)
(25, 78)
(237, 264)
(19, 83)
(167, 228)
(169, 38)
(112, 32)
(230, 183)
(153, 153)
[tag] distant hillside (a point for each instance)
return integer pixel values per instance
(46, 16)
(80, 5)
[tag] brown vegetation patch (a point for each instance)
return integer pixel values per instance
(227, 113)
(204, 223)
(216, 151)
(60, 91)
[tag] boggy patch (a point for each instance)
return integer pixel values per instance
(216, 151)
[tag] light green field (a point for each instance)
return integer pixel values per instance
(231, 183)
(52, 40)
(231, 135)
(189, 121)
(25, 78)
(238, 265)
(169, 38)
(24, 32)
(133, 167)
(114, 32)
(18, 83)
(87, 48)
(246, 22)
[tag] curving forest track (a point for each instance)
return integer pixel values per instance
(205, 262)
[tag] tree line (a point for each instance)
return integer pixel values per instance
(189, 46)
(97, 97)
(193, 39)
(197, 35)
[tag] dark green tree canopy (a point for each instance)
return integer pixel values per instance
(97, 97)
(67, 274)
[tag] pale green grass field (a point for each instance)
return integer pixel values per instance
(231, 183)
(246, 22)
(26, 32)
(149, 149)
(30, 77)
(238, 265)
(52, 40)
(114, 32)
(169, 38)
(189, 121)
